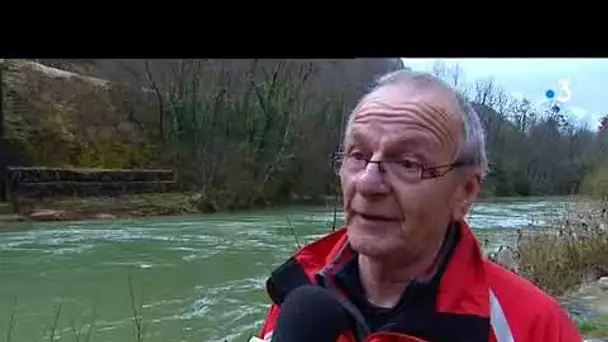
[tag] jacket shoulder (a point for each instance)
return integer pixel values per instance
(319, 252)
(531, 313)
(302, 266)
(296, 271)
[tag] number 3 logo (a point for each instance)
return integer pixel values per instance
(564, 86)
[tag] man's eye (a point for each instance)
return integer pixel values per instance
(408, 164)
(357, 155)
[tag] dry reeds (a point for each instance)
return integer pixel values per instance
(570, 249)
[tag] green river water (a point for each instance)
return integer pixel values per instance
(201, 278)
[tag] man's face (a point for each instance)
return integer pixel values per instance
(395, 213)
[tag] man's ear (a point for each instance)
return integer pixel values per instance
(467, 194)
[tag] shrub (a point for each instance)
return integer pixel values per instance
(567, 250)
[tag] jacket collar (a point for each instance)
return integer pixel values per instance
(462, 286)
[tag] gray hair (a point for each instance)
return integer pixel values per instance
(473, 149)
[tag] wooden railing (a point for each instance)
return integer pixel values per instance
(45, 182)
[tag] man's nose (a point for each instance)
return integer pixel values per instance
(372, 180)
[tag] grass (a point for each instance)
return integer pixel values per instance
(84, 332)
(11, 323)
(78, 333)
(137, 313)
(596, 328)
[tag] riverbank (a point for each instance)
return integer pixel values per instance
(124, 206)
(134, 206)
(96, 208)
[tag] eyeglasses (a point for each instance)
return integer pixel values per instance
(403, 169)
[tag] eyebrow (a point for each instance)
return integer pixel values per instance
(409, 144)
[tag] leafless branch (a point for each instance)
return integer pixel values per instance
(159, 98)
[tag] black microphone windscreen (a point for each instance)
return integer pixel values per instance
(311, 313)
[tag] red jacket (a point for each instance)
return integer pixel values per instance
(474, 299)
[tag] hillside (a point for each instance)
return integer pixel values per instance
(57, 118)
(274, 120)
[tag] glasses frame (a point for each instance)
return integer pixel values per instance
(426, 171)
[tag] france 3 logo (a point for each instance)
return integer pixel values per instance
(565, 91)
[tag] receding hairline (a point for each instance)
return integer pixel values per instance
(451, 103)
(419, 82)
(472, 134)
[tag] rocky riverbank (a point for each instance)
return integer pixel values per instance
(66, 215)
(95, 208)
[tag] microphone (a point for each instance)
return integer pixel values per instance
(313, 313)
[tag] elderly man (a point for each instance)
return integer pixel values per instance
(412, 164)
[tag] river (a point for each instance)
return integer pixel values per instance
(199, 278)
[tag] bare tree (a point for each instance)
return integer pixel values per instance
(439, 69)
(159, 98)
(456, 76)
(502, 101)
(484, 92)
(522, 114)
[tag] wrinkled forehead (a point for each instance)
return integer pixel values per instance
(429, 108)
(430, 102)
(416, 95)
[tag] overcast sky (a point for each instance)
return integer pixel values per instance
(532, 77)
